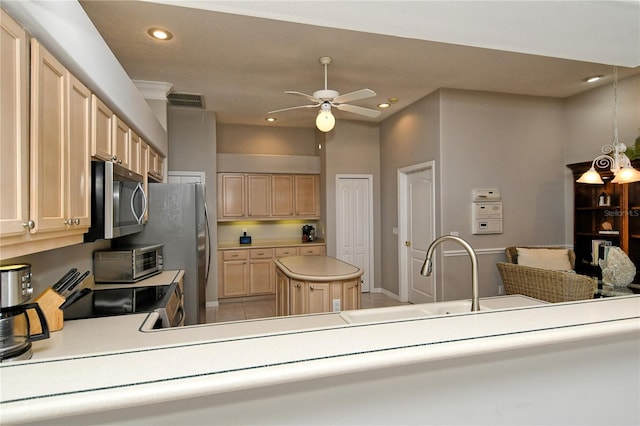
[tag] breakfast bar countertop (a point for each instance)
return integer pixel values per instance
(107, 365)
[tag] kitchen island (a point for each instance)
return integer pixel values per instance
(313, 284)
(516, 359)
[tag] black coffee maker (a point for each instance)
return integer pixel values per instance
(308, 233)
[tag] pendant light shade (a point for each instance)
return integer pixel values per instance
(627, 174)
(614, 154)
(591, 176)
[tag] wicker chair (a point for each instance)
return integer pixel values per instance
(543, 284)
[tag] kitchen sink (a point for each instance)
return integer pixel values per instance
(408, 311)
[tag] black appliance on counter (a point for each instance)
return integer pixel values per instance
(308, 233)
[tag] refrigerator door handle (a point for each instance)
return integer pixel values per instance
(208, 243)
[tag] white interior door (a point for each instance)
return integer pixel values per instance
(354, 217)
(417, 230)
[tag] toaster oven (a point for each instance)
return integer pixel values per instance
(127, 264)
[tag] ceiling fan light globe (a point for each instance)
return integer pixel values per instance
(325, 121)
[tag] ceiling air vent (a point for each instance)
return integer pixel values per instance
(190, 100)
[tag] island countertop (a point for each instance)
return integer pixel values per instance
(193, 363)
(317, 268)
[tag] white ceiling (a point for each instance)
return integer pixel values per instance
(243, 64)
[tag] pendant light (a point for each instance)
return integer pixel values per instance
(614, 156)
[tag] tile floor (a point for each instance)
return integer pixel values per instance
(265, 306)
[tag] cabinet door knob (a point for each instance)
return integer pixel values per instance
(76, 221)
(407, 243)
(68, 222)
(30, 224)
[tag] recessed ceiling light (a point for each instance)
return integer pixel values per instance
(384, 105)
(592, 78)
(393, 100)
(160, 34)
(271, 119)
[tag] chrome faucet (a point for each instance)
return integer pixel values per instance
(427, 267)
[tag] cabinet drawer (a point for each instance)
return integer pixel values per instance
(261, 253)
(310, 251)
(234, 255)
(286, 251)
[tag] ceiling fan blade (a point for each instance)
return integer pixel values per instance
(304, 95)
(295, 107)
(358, 110)
(354, 96)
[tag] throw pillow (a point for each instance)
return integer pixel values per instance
(552, 259)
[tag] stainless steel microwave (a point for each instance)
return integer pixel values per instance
(118, 201)
(127, 264)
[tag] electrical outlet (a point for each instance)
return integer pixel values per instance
(336, 305)
(244, 230)
(500, 290)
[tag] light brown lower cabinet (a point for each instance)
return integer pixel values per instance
(251, 271)
(294, 297)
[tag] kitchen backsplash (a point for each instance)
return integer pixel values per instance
(266, 231)
(48, 266)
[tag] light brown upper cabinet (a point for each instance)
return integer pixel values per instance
(135, 150)
(78, 154)
(231, 196)
(14, 131)
(282, 195)
(113, 140)
(121, 143)
(60, 141)
(101, 130)
(59, 182)
(268, 196)
(307, 195)
(258, 196)
(155, 163)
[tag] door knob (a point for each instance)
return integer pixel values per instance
(407, 243)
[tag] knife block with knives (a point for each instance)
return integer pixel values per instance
(56, 298)
(49, 302)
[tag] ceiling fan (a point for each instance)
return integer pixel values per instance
(327, 98)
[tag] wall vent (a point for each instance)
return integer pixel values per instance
(191, 100)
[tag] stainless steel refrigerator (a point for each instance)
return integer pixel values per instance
(178, 219)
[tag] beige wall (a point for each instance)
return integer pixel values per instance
(513, 143)
(478, 140)
(408, 137)
(242, 139)
(192, 147)
(352, 148)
